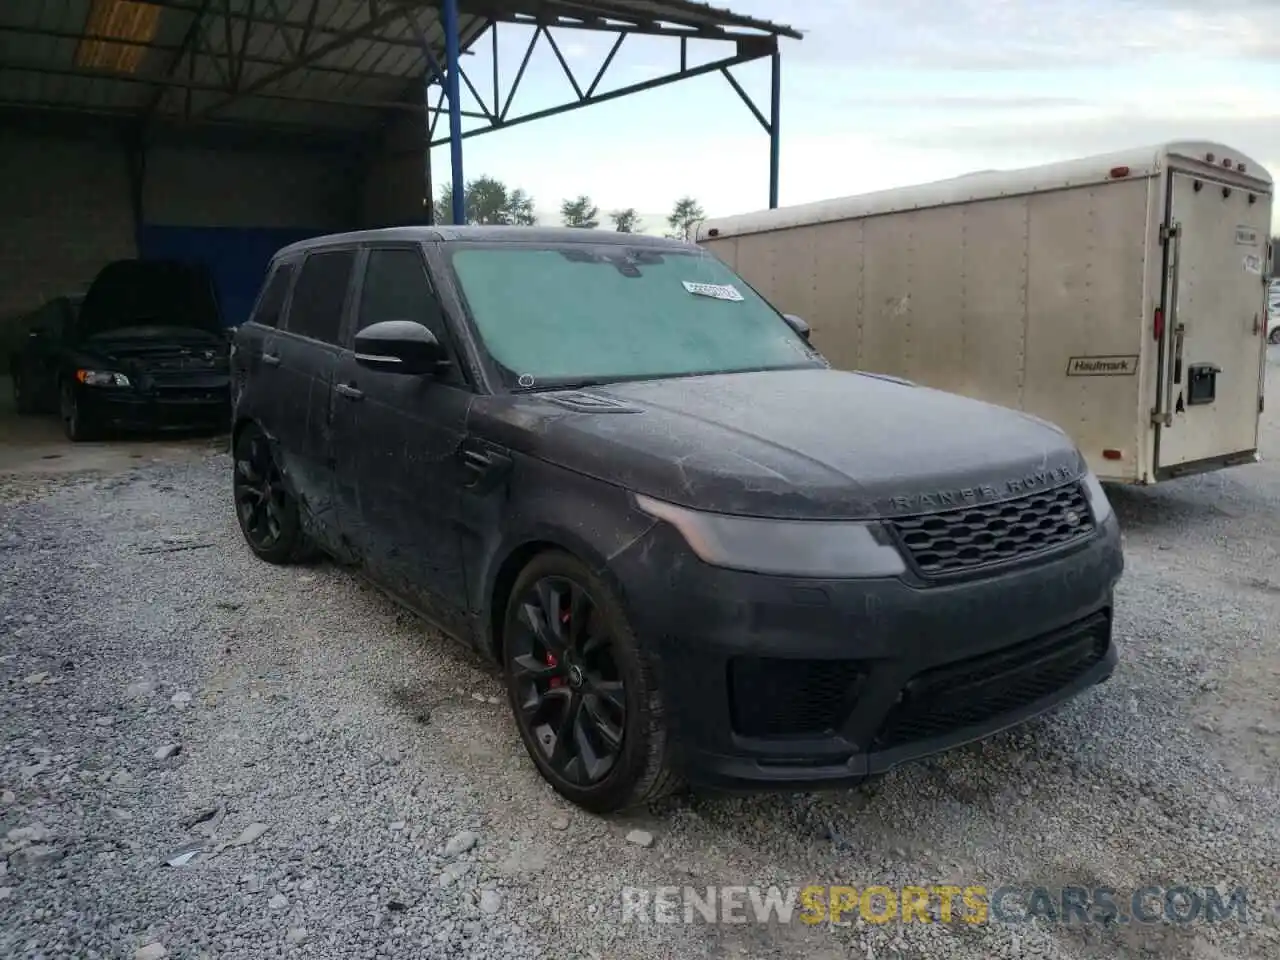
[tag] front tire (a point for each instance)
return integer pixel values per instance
(584, 694)
(23, 402)
(265, 508)
(1274, 336)
(74, 422)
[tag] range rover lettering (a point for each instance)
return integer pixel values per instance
(699, 554)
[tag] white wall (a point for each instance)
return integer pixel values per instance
(65, 210)
(391, 192)
(66, 203)
(206, 187)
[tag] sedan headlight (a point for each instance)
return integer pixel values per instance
(1098, 501)
(102, 378)
(832, 549)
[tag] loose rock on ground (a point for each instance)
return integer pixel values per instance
(317, 710)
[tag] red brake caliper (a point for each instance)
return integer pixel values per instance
(551, 657)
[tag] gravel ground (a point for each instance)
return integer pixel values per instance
(356, 789)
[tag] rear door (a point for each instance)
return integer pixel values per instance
(1213, 340)
(255, 353)
(307, 351)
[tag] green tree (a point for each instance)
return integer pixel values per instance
(580, 213)
(684, 215)
(626, 221)
(488, 200)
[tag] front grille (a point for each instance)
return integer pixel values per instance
(971, 692)
(957, 541)
(776, 697)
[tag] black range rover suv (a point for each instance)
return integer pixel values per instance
(697, 551)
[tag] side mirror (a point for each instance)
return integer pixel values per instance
(399, 346)
(796, 324)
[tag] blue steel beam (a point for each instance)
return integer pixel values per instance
(775, 117)
(452, 56)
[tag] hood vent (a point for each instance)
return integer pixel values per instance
(582, 402)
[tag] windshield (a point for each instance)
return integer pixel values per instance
(586, 312)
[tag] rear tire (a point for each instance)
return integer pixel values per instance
(1274, 336)
(583, 690)
(265, 508)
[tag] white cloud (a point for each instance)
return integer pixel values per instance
(995, 34)
(881, 95)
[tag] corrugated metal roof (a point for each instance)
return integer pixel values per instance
(319, 63)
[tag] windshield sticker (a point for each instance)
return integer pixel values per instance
(718, 291)
(1253, 264)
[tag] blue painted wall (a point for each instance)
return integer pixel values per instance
(237, 257)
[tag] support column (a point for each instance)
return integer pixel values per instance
(775, 144)
(451, 44)
(428, 185)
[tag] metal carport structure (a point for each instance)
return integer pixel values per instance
(336, 68)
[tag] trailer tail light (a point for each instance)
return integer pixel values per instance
(1112, 454)
(1157, 324)
(1118, 172)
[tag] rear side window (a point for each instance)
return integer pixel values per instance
(272, 303)
(319, 295)
(396, 288)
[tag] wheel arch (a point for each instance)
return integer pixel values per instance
(518, 555)
(239, 426)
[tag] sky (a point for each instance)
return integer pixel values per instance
(880, 95)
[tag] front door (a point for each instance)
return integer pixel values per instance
(1214, 339)
(397, 439)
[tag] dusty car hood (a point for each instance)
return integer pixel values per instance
(812, 443)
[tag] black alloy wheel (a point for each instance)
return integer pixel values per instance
(265, 508)
(585, 702)
(22, 400)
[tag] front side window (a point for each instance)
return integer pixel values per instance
(320, 294)
(583, 312)
(396, 288)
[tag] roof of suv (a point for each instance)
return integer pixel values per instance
(420, 234)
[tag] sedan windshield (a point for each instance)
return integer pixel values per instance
(584, 312)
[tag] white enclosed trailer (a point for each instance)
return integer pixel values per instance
(1122, 297)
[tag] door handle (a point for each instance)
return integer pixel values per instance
(271, 359)
(350, 392)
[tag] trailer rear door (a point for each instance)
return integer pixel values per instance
(1213, 329)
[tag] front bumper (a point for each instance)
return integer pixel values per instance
(170, 409)
(797, 684)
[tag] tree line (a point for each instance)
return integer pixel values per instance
(490, 201)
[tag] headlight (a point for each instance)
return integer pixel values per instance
(797, 548)
(1098, 501)
(102, 378)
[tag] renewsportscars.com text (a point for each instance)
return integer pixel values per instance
(839, 905)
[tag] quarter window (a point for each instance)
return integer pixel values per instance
(272, 303)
